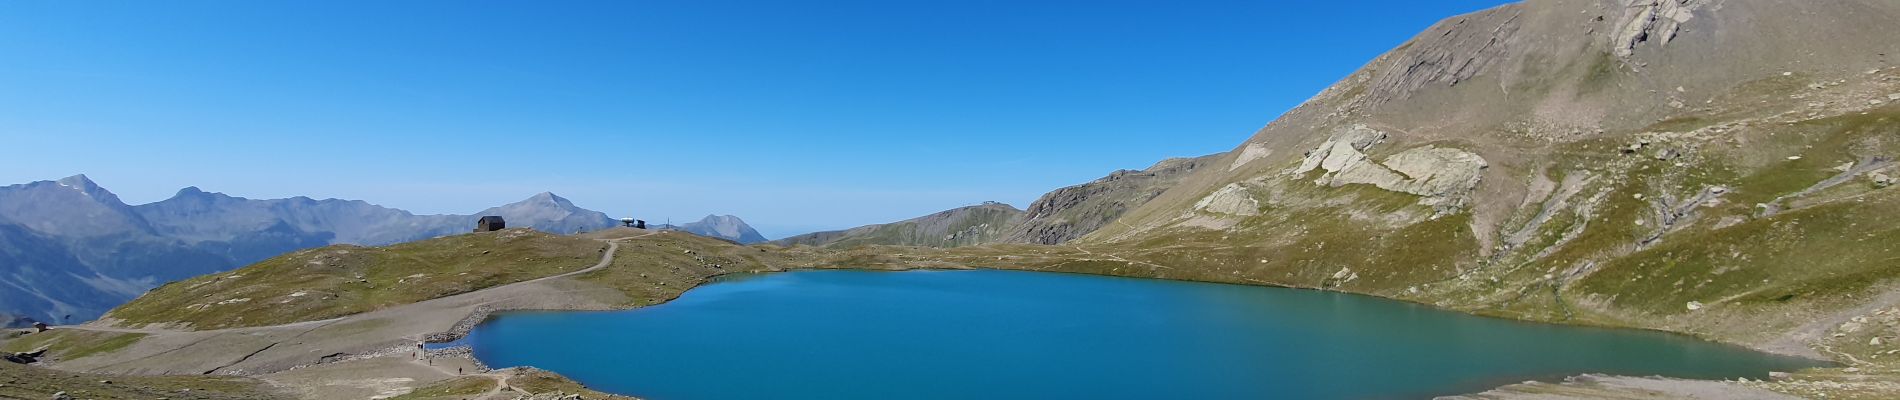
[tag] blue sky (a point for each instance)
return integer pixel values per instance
(796, 116)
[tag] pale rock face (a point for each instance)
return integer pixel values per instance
(1232, 199)
(1646, 20)
(1253, 151)
(1437, 171)
(1343, 151)
(1444, 176)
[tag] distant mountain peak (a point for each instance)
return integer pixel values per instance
(79, 182)
(75, 179)
(548, 198)
(193, 192)
(91, 189)
(724, 227)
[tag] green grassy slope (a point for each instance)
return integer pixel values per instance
(963, 226)
(341, 280)
(29, 382)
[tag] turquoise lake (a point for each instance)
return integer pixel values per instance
(1028, 335)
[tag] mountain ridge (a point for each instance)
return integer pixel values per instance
(962, 226)
(1056, 217)
(724, 227)
(76, 249)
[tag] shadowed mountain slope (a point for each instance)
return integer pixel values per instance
(74, 249)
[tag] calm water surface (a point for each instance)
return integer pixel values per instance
(1000, 334)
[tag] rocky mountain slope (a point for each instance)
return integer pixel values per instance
(74, 249)
(1716, 167)
(1057, 217)
(978, 224)
(196, 215)
(1071, 212)
(724, 227)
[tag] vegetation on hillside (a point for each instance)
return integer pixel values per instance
(335, 281)
(68, 344)
(30, 382)
(452, 389)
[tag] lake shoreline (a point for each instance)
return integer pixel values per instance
(1560, 379)
(360, 341)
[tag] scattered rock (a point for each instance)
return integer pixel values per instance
(1232, 200)
(1253, 151)
(61, 395)
(1695, 305)
(1794, 158)
(1652, 20)
(1443, 176)
(1875, 341)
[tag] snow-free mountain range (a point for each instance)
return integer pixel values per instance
(70, 249)
(1719, 168)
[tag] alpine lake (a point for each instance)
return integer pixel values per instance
(838, 334)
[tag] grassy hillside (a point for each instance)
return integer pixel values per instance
(67, 344)
(979, 224)
(341, 280)
(28, 382)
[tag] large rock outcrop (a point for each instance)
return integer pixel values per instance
(1602, 161)
(1442, 177)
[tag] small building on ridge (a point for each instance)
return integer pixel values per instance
(490, 223)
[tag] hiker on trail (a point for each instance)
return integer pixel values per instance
(458, 370)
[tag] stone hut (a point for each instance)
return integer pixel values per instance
(40, 327)
(490, 224)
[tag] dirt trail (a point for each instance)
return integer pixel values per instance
(281, 348)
